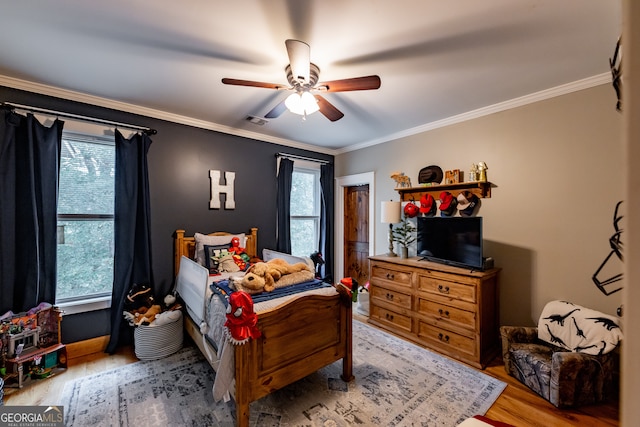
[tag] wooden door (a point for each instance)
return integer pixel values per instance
(356, 233)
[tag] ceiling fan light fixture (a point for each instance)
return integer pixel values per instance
(302, 75)
(302, 104)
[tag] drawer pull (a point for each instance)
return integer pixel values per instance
(390, 276)
(443, 338)
(444, 313)
(389, 316)
(390, 297)
(443, 289)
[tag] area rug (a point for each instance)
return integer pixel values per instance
(396, 384)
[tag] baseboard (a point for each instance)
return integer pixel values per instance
(87, 347)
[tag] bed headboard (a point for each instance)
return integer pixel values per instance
(187, 245)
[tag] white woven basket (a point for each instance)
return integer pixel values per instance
(155, 342)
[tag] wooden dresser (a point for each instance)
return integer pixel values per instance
(451, 310)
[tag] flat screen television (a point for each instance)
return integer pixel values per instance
(455, 241)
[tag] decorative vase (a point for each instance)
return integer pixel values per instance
(404, 253)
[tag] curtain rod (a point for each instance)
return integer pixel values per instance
(29, 108)
(295, 156)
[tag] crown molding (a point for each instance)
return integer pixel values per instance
(565, 89)
(150, 112)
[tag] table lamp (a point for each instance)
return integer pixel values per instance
(390, 215)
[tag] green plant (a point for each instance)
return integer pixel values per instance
(404, 233)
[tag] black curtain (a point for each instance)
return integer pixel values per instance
(283, 231)
(325, 246)
(29, 165)
(132, 229)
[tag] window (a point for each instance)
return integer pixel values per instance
(85, 247)
(305, 211)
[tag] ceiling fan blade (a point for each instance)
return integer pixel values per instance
(356, 83)
(299, 59)
(329, 111)
(237, 82)
(277, 110)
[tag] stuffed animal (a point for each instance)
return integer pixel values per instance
(140, 295)
(129, 318)
(242, 321)
(265, 276)
(139, 311)
(169, 300)
(235, 246)
(253, 283)
(167, 317)
(132, 316)
(148, 316)
(228, 264)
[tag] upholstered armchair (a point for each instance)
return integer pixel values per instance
(570, 359)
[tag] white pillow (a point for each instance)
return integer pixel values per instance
(204, 239)
(268, 254)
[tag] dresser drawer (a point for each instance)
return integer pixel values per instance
(390, 317)
(447, 309)
(444, 288)
(390, 296)
(446, 341)
(390, 274)
(447, 314)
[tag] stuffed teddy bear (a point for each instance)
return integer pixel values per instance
(265, 276)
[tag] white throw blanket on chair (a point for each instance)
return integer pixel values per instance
(578, 329)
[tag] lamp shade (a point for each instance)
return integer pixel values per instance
(390, 212)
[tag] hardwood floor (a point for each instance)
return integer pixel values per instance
(517, 405)
(520, 406)
(47, 391)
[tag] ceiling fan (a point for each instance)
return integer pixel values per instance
(302, 76)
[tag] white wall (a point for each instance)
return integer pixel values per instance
(557, 166)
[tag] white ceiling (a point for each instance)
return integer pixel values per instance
(439, 61)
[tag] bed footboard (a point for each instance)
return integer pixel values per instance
(297, 339)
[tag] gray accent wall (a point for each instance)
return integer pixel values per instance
(179, 159)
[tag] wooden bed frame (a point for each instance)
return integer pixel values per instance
(298, 338)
